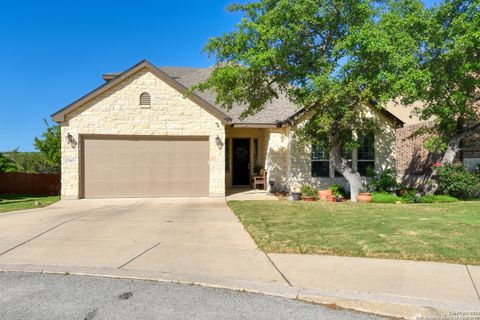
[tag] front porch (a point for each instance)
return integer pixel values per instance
(243, 193)
(249, 150)
(245, 155)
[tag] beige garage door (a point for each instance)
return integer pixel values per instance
(116, 167)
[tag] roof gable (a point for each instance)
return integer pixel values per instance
(59, 116)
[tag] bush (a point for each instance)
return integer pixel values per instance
(309, 191)
(382, 197)
(385, 181)
(438, 199)
(337, 190)
(455, 180)
(411, 197)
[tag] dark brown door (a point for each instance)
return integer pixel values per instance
(241, 162)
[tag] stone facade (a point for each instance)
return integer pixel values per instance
(278, 157)
(300, 163)
(117, 112)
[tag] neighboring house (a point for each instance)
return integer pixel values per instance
(141, 135)
(414, 162)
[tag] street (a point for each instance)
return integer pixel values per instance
(48, 296)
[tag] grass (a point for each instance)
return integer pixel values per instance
(22, 202)
(443, 232)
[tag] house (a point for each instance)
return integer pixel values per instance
(141, 135)
(415, 163)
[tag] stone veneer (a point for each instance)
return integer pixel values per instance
(117, 112)
(300, 164)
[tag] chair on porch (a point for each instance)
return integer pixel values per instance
(260, 180)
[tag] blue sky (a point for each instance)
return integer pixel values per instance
(53, 52)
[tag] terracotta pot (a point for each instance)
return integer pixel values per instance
(364, 197)
(331, 198)
(323, 194)
(308, 199)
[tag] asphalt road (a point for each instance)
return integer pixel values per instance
(47, 296)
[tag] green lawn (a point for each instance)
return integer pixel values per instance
(22, 202)
(447, 232)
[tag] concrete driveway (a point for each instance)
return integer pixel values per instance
(190, 236)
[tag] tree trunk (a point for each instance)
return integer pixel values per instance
(448, 157)
(341, 164)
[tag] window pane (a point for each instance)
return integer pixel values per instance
(366, 148)
(320, 169)
(364, 165)
(319, 153)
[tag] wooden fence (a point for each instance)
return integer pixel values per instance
(29, 183)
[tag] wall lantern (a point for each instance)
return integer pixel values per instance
(219, 142)
(71, 140)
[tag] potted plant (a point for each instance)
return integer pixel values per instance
(365, 196)
(309, 193)
(324, 194)
(337, 193)
(296, 194)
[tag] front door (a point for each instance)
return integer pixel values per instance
(241, 162)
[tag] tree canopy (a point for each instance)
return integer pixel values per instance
(330, 57)
(49, 145)
(448, 77)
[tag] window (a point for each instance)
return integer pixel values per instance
(320, 161)
(227, 155)
(145, 99)
(366, 152)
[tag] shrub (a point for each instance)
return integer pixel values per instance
(337, 190)
(455, 180)
(309, 191)
(384, 181)
(438, 199)
(383, 197)
(411, 196)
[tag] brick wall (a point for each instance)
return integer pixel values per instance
(412, 157)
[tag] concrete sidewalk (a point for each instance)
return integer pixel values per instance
(201, 241)
(390, 287)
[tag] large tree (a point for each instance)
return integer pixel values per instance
(448, 77)
(331, 57)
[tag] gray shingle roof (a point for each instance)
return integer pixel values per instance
(278, 110)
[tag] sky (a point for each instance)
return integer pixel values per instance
(53, 52)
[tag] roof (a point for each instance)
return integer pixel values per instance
(278, 112)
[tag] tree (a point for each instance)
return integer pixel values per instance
(447, 81)
(6, 164)
(50, 146)
(330, 57)
(31, 162)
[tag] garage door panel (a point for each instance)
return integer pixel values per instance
(145, 167)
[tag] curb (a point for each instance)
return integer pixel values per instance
(383, 305)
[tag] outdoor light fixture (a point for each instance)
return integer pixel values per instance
(71, 140)
(271, 183)
(219, 142)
